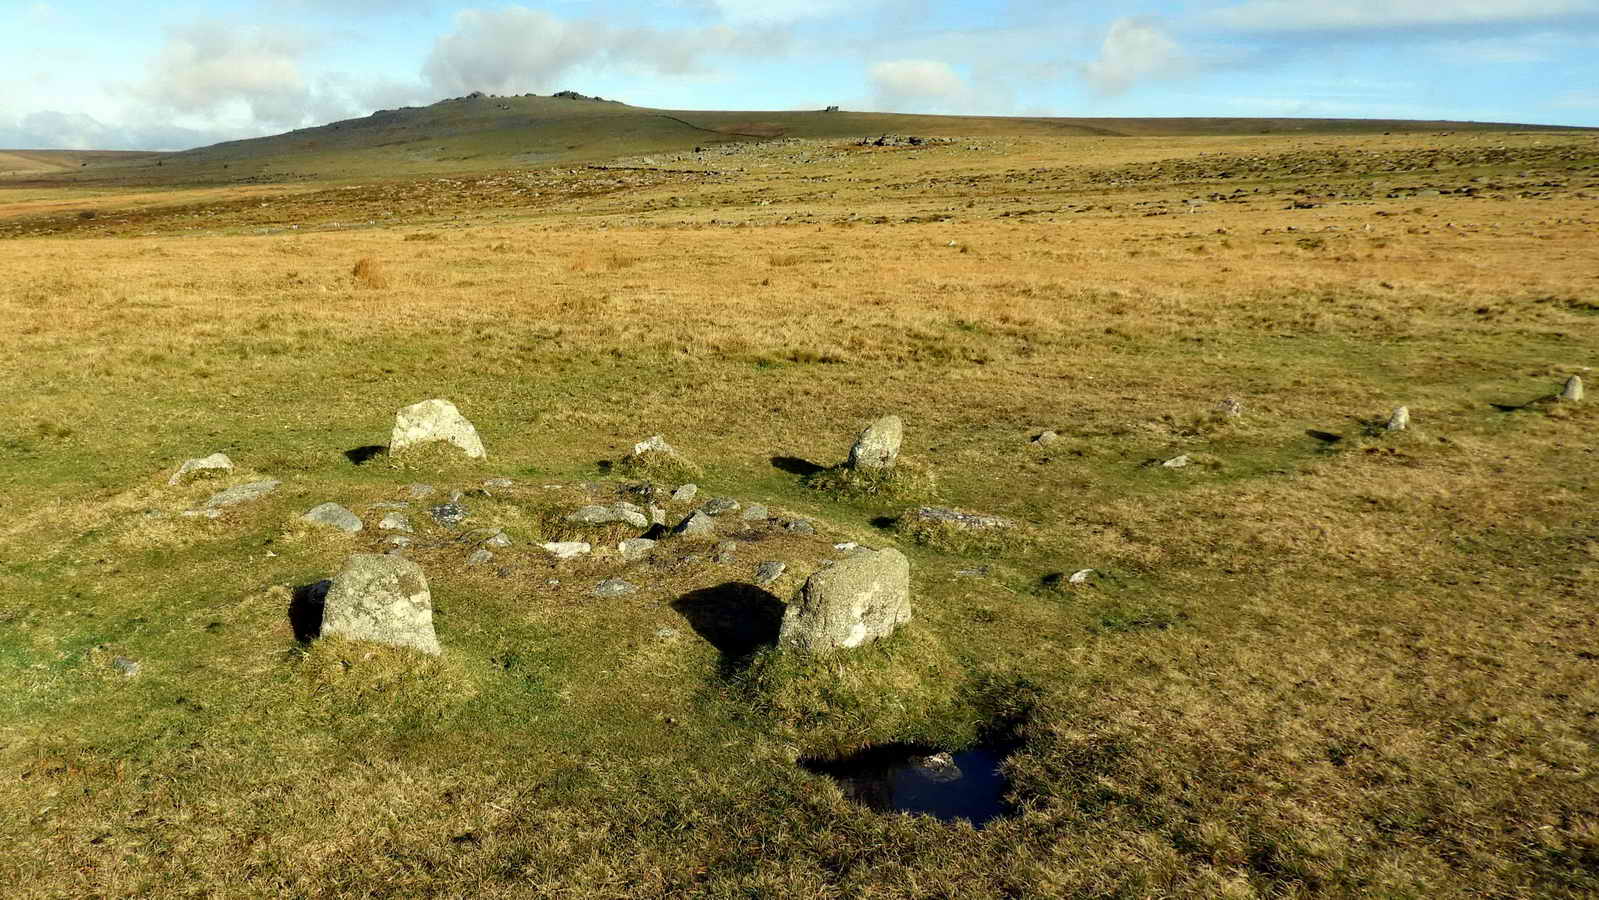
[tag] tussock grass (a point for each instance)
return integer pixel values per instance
(908, 481)
(370, 273)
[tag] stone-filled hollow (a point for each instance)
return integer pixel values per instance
(910, 778)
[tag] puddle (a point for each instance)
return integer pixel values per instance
(901, 778)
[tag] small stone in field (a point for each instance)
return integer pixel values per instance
(479, 557)
(395, 521)
(500, 539)
(1081, 576)
(720, 505)
(1400, 420)
(1177, 462)
(755, 512)
(1572, 392)
(697, 523)
(634, 549)
(861, 598)
(613, 587)
(493, 483)
(567, 549)
(419, 491)
(432, 421)
(877, 447)
(128, 667)
(632, 515)
(333, 515)
(592, 515)
(965, 521)
(770, 571)
(657, 516)
(240, 494)
(1048, 437)
(799, 526)
(451, 513)
(685, 493)
(846, 546)
(216, 462)
(400, 541)
(725, 552)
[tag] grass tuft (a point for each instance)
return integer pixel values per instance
(370, 273)
(909, 481)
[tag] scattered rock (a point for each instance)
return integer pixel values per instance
(1081, 576)
(333, 515)
(1177, 462)
(939, 767)
(1230, 408)
(846, 546)
(499, 483)
(1572, 393)
(383, 599)
(755, 512)
(567, 549)
(500, 539)
(1048, 437)
(770, 571)
(128, 667)
(216, 462)
(860, 598)
(479, 557)
(631, 514)
(243, 493)
(966, 521)
(420, 491)
(726, 552)
(697, 523)
(592, 515)
(434, 420)
(447, 514)
(798, 526)
(877, 447)
(400, 540)
(634, 549)
(976, 572)
(657, 516)
(395, 521)
(720, 505)
(685, 493)
(1400, 420)
(666, 633)
(613, 587)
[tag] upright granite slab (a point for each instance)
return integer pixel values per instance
(863, 597)
(384, 599)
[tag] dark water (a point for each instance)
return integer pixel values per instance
(900, 778)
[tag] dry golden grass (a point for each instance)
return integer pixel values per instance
(1307, 666)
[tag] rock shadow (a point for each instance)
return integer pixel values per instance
(362, 455)
(736, 618)
(1326, 437)
(305, 610)
(793, 465)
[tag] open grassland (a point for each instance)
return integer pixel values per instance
(1308, 666)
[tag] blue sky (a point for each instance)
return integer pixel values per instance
(117, 74)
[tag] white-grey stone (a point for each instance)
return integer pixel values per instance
(332, 515)
(965, 521)
(1230, 408)
(726, 552)
(499, 483)
(863, 597)
(1177, 462)
(654, 444)
(451, 513)
(128, 667)
(632, 515)
(479, 557)
(592, 515)
(718, 505)
(255, 490)
(400, 540)
(500, 539)
(846, 546)
(755, 512)
(613, 587)
(1048, 437)
(657, 516)
(216, 462)
(877, 446)
(1081, 576)
(434, 420)
(395, 521)
(697, 523)
(567, 549)
(383, 599)
(1400, 420)
(1572, 392)
(634, 549)
(799, 526)
(420, 491)
(769, 571)
(685, 493)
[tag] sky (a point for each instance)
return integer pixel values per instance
(128, 74)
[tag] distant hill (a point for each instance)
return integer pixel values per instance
(483, 132)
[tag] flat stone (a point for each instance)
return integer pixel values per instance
(592, 515)
(685, 493)
(877, 446)
(420, 491)
(216, 462)
(499, 483)
(1048, 437)
(657, 516)
(451, 513)
(863, 597)
(383, 599)
(255, 490)
(400, 540)
(755, 512)
(567, 549)
(1081, 576)
(653, 444)
(634, 549)
(613, 587)
(479, 557)
(769, 571)
(726, 551)
(1177, 462)
(433, 421)
(632, 515)
(799, 526)
(128, 667)
(966, 521)
(332, 515)
(719, 505)
(500, 539)
(395, 521)
(389, 504)
(1400, 420)
(697, 523)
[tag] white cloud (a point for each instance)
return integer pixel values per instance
(1134, 49)
(55, 130)
(513, 50)
(784, 11)
(1302, 15)
(923, 85)
(1576, 100)
(209, 69)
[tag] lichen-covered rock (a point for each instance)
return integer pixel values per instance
(613, 587)
(332, 515)
(755, 512)
(205, 465)
(1400, 420)
(395, 521)
(243, 493)
(769, 571)
(697, 524)
(718, 505)
(1572, 392)
(955, 518)
(877, 447)
(685, 493)
(634, 549)
(863, 597)
(567, 549)
(431, 421)
(383, 599)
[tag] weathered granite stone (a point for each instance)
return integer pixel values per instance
(726, 552)
(685, 493)
(420, 491)
(657, 516)
(877, 447)
(634, 549)
(128, 667)
(1400, 420)
(631, 514)
(613, 587)
(451, 513)
(479, 557)
(719, 505)
(255, 490)
(1081, 576)
(755, 512)
(1572, 392)
(1048, 437)
(395, 521)
(332, 515)
(592, 515)
(698, 523)
(383, 599)
(434, 420)
(965, 521)
(567, 549)
(769, 571)
(1177, 462)
(799, 526)
(205, 465)
(500, 539)
(860, 598)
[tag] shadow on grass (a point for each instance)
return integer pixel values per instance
(1326, 437)
(793, 465)
(305, 610)
(736, 618)
(362, 455)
